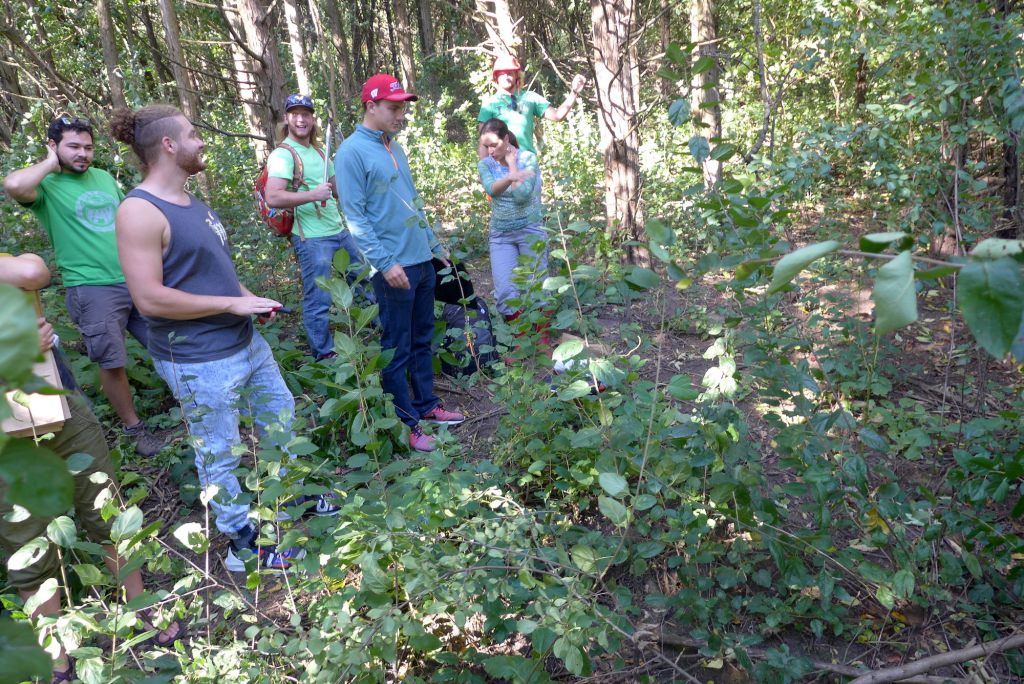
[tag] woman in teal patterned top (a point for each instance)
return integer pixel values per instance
(512, 179)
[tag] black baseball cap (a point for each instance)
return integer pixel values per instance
(298, 100)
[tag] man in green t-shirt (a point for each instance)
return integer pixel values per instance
(75, 203)
(319, 231)
(517, 107)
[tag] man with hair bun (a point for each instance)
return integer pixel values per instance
(177, 262)
(75, 203)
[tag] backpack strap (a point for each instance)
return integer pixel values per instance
(298, 174)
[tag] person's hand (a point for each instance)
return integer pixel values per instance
(322, 192)
(512, 157)
(51, 156)
(252, 305)
(444, 260)
(579, 82)
(395, 277)
(45, 335)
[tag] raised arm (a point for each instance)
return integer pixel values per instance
(557, 114)
(142, 235)
(23, 184)
(27, 271)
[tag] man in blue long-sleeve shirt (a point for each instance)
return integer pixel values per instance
(383, 211)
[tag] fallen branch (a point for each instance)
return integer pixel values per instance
(677, 641)
(961, 655)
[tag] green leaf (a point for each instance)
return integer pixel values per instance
(668, 75)
(903, 583)
(642, 278)
(996, 248)
(43, 594)
(614, 510)
(659, 233)
(28, 554)
(936, 273)
(37, 478)
(574, 390)
(191, 536)
(681, 388)
(375, 580)
(894, 295)
(513, 667)
(679, 112)
(584, 557)
(61, 531)
(77, 463)
(570, 655)
(989, 296)
(126, 524)
(612, 483)
(23, 657)
(89, 575)
(19, 336)
(699, 148)
(703, 64)
(723, 152)
(877, 242)
(790, 265)
(567, 350)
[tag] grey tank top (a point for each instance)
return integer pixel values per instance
(197, 261)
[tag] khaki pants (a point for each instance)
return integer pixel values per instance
(81, 434)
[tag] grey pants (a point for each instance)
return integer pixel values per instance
(506, 250)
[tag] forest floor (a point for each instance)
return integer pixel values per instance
(929, 375)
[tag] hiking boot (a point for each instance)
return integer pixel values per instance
(420, 441)
(442, 416)
(322, 505)
(146, 443)
(268, 555)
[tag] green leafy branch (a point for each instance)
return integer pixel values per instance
(989, 294)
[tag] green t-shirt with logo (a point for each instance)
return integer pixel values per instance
(518, 112)
(77, 210)
(313, 219)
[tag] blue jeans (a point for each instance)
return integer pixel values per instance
(407, 319)
(210, 394)
(506, 248)
(316, 259)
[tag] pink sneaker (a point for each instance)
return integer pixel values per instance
(420, 441)
(439, 414)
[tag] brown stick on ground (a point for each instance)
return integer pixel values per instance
(961, 655)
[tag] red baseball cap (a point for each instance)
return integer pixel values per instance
(384, 87)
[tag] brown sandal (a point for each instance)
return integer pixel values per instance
(160, 639)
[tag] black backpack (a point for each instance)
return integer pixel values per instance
(468, 344)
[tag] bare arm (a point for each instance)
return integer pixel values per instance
(578, 83)
(23, 184)
(27, 271)
(142, 236)
(279, 197)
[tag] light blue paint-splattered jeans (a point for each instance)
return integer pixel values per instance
(213, 395)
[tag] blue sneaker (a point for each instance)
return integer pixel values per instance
(268, 555)
(318, 504)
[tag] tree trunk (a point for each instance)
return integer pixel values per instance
(707, 112)
(267, 73)
(427, 46)
(152, 44)
(244, 68)
(497, 21)
(617, 80)
(12, 104)
(339, 39)
(667, 88)
(405, 46)
(110, 54)
(291, 17)
(186, 93)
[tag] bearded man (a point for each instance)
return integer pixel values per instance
(75, 203)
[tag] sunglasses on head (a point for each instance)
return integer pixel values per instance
(76, 121)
